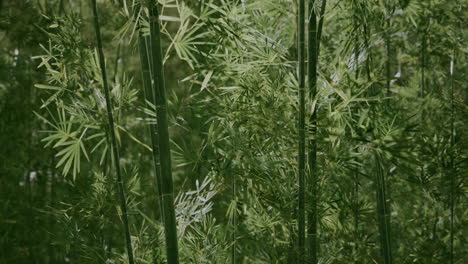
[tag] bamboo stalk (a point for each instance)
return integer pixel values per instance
(367, 45)
(314, 36)
(149, 95)
(452, 169)
(388, 63)
(234, 224)
(312, 157)
(301, 158)
(423, 65)
(383, 211)
(354, 172)
(115, 150)
(320, 25)
(116, 63)
(170, 225)
(388, 47)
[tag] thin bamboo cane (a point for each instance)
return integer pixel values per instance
(388, 62)
(388, 46)
(234, 224)
(354, 172)
(423, 65)
(312, 157)
(301, 158)
(170, 225)
(114, 147)
(452, 169)
(367, 45)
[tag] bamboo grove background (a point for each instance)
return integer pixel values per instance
(226, 131)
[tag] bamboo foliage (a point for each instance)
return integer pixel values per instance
(113, 139)
(267, 166)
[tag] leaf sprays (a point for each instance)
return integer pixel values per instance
(301, 158)
(170, 226)
(115, 151)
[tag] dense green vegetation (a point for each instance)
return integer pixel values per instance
(229, 131)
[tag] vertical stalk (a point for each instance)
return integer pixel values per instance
(149, 95)
(422, 96)
(320, 25)
(301, 158)
(312, 157)
(234, 224)
(354, 172)
(50, 248)
(115, 151)
(423, 65)
(388, 45)
(388, 62)
(383, 211)
(388, 59)
(314, 35)
(368, 57)
(116, 63)
(170, 225)
(452, 143)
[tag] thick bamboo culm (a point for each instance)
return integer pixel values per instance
(159, 89)
(149, 96)
(314, 35)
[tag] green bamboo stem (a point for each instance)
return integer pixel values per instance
(388, 47)
(423, 65)
(354, 172)
(423, 89)
(383, 211)
(234, 224)
(452, 169)
(368, 57)
(149, 96)
(312, 157)
(116, 63)
(320, 25)
(301, 158)
(388, 63)
(115, 151)
(170, 225)
(314, 36)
